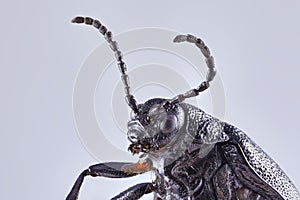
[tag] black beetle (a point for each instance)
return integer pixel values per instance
(193, 155)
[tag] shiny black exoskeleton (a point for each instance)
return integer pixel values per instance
(192, 154)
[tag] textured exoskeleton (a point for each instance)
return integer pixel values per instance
(192, 154)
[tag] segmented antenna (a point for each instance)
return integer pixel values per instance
(118, 54)
(209, 59)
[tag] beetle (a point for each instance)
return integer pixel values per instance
(192, 154)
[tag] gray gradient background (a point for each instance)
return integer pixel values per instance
(256, 46)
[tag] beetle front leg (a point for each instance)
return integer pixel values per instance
(109, 170)
(135, 192)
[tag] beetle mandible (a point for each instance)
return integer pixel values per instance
(192, 154)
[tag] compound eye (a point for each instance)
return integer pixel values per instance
(169, 124)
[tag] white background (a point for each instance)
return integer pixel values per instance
(256, 46)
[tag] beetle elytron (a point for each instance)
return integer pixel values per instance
(192, 154)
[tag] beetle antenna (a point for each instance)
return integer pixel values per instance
(209, 59)
(118, 54)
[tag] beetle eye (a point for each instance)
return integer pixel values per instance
(169, 124)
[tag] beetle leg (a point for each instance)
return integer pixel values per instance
(224, 183)
(244, 194)
(135, 192)
(109, 170)
(142, 166)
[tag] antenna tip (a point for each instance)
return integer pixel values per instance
(78, 20)
(180, 38)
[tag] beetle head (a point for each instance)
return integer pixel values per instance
(156, 125)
